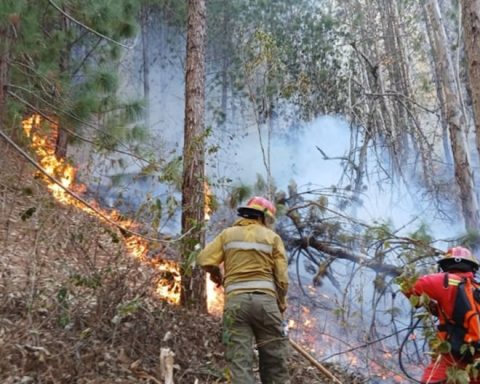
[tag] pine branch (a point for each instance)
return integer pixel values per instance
(82, 138)
(86, 27)
(85, 58)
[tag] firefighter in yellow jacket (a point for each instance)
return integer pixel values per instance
(256, 284)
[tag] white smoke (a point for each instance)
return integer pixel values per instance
(294, 155)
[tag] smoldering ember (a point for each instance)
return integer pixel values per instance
(132, 131)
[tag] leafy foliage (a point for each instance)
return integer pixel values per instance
(284, 50)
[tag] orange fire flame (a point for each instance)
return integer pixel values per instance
(215, 300)
(319, 335)
(208, 201)
(43, 137)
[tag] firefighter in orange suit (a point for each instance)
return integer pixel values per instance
(441, 289)
(256, 283)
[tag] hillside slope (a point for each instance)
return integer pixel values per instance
(75, 307)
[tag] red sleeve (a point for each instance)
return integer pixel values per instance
(431, 285)
(436, 288)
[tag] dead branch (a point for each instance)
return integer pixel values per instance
(315, 363)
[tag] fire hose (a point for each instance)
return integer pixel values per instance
(410, 331)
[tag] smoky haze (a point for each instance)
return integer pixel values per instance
(295, 155)
(293, 147)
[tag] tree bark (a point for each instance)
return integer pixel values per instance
(439, 90)
(61, 144)
(471, 35)
(5, 43)
(3, 74)
(193, 198)
(455, 120)
(146, 63)
(225, 59)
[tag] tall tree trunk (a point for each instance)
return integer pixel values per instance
(4, 49)
(61, 144)
(398, 127)
(193, 195)
(145, 12)
(415, 136)
(5, 43)
(455, 120)
(226, 47)
(447, 151)
(471, 33)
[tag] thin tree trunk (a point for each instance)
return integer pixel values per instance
(455, 121)
(146, 64)
(447, 151)
(8, 32)
(193, 198)
(461, 87)
(415, 135)
(398, 80)
(471, 33)
(226, 48)
(61, 145)
(4, 55)
(397, 127)
(402, 52)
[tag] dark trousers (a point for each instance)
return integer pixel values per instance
(249, 316)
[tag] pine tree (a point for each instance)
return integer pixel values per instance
(193, 198)
(59, 59)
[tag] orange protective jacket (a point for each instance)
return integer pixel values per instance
(442, 288)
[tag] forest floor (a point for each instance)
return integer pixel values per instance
(75, 307)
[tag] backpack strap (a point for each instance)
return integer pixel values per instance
(446, 321)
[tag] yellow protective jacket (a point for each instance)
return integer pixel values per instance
(254, 259)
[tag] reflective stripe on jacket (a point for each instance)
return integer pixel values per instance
(251, 285)
(251, 253)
